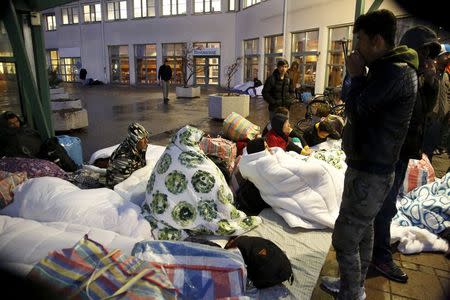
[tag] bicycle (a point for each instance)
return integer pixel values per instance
(320, 107)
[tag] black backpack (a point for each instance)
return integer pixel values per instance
(51, 150)
(267, 264)
(248, 199)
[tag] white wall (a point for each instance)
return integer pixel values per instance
(230, 29)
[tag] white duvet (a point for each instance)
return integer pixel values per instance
(23, 242)
(305, 193)
(50, 199)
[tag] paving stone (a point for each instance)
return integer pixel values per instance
(376, 295)
(428, 270)
(445, 283)
(378, 283)
(319, 294)
(435, 260)
(410, 266)
(440, 273)
(420, 286)
(397, 297)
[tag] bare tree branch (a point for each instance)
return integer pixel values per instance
(230, 71)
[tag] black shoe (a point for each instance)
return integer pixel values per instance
(391, 271)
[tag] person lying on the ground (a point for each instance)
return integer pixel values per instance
(129, 156)
(327, 127)
(278, 136)
(306, 193)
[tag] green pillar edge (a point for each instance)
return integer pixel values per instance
(30, 94)
(41, 73)
(375, 5)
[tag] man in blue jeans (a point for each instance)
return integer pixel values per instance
(425, 42)
(378, 107)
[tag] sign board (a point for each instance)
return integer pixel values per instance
(207, 52)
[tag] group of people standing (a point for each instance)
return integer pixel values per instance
(396, 111)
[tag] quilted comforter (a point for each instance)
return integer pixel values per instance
(305, 193)
(24, 242)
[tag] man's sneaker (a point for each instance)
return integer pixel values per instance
(391, 271)
(331, 285)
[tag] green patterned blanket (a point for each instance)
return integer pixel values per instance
(187, 193)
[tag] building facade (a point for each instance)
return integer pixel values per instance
(126, 41)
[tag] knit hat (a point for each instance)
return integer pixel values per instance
(445, 48)
(256, 145)
(277, 123)
(137, 132)
(421, 36)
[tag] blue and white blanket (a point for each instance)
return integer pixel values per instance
(426, 207)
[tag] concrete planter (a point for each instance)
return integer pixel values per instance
(189, 92)
(220, 106)
(68, 119)
(65, 104)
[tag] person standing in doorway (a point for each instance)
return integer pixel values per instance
(164, 76)
(378, 108)
(277, 89)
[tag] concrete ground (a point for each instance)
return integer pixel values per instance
(112, 108)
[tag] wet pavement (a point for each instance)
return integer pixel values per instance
(112, 108)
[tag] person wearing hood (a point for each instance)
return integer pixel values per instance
(277, 89)
(278, 136)
(129, 156)
(378, 108)
(425, 42)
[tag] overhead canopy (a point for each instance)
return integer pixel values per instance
(38, 5)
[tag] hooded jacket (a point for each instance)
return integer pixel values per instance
(277, 138)
(277, 92)
(379, 107)
(127, 158)
(416, 38)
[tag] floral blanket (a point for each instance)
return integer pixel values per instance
(188, 194)
(426, 207)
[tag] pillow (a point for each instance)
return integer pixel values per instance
(32, 166)
(8, 181)
(236, 127)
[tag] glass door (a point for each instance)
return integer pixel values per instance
(208, 70)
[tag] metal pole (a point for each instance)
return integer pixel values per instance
(41, 68)
(31, 97)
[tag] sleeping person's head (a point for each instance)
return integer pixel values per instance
(256, 145)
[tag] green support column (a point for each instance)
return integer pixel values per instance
(30, 93)
(375, 5)
(41, 69)
(359, 9)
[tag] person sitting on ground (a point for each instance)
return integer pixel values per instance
(278, 136)
(256, 83)
(19, 140)
(319, 132)
(295, 133)
(129, 156)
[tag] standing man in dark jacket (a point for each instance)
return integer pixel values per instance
(425, 42)
(277, 88)
(164, 76)
(379, 107)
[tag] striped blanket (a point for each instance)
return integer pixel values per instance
(89, 271)
(197, 271)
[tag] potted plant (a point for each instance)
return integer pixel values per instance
(188, 69)
(222, 104)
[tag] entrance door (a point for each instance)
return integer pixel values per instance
(208, 70)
